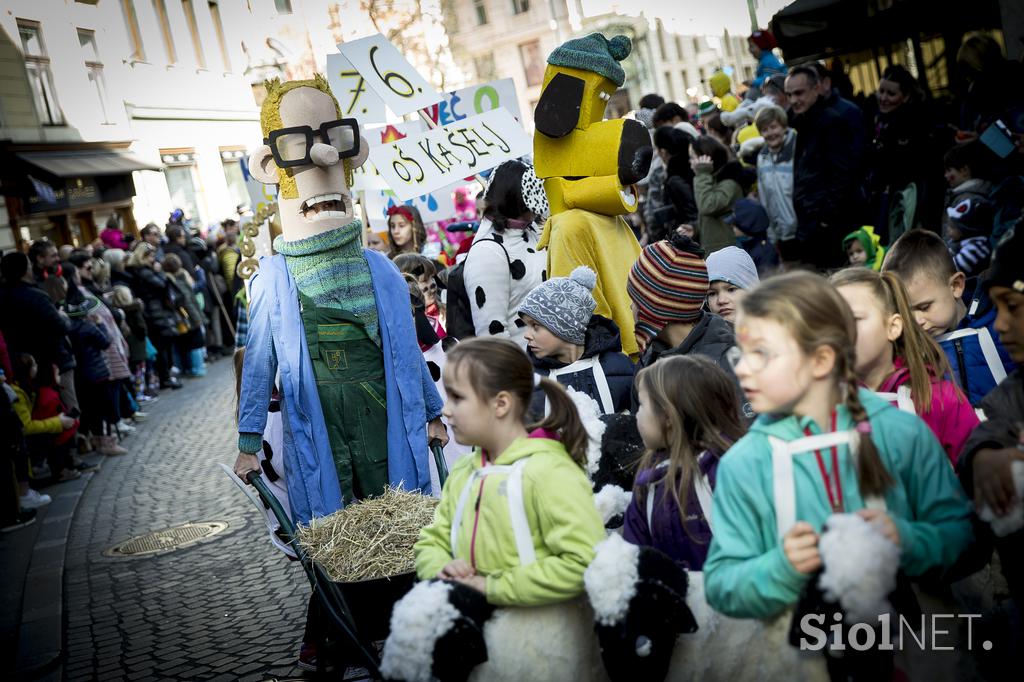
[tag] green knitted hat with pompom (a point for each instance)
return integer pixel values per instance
(594, 53)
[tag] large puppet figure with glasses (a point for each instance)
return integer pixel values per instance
(330, 322)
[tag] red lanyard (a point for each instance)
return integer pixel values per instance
(835, 500)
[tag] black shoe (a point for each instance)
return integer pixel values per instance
(25, 517)
(171, 383)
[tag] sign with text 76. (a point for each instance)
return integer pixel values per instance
(388, 74)
(354, 97)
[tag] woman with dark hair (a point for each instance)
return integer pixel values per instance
(504, 264)
(899, 155)
(406, 233)
(673, 147)
(718, 184)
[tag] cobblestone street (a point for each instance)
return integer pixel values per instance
(229, 608)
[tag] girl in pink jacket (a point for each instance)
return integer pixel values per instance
(896, 358)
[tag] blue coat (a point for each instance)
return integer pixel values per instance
(276, 342)
(970, 370)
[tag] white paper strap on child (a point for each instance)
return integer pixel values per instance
(988, 349)
(703, 487)
(604, 393)
(516, 508)
(901, 397)
(784, 487)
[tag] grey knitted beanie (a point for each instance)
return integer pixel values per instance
(564, 304)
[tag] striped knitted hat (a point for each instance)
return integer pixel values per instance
(668, 283)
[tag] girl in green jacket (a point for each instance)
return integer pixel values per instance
(795, 362)
(517, 519)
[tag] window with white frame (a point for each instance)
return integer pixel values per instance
(131, 21)
(160, 9)
(218, 27)
(180, 174)
(91, 57)
(231, 158)
(193, 28)
(480, 9)
(40, 78)
(520, 6)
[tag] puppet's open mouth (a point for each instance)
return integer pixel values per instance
(324, 206)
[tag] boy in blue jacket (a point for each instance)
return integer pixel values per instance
(967, 334)
(567, 342)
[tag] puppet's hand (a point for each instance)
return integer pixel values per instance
(437, 429)
(245, 463)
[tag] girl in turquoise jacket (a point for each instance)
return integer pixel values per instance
(821, 445)
(517, 519)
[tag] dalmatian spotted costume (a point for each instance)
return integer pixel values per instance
(504, 266)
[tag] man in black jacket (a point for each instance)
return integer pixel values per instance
(177, 243)
(28, 318)
(824, 181)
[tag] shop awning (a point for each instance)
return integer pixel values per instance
(812, 29)
(68, 164)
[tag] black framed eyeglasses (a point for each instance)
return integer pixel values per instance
(291, 146)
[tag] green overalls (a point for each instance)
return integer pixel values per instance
(349, 370)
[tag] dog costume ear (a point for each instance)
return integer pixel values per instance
(558, 110)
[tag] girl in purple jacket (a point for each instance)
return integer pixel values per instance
(899, 360)
(688, 417)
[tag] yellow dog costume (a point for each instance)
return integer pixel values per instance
(589, 168)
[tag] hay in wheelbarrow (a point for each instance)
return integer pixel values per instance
(370, 539)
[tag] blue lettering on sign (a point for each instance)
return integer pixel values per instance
(455, 100)
(442, 113)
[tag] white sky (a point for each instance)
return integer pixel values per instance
(692, 17)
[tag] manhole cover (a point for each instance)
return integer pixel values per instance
(167, 539)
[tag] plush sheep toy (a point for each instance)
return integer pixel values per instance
(448, 632)
(613, 451)
(859, 581)
(639, 600)
(436, 633)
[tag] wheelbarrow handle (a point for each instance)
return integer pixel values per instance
(332, 600)
(442, 466)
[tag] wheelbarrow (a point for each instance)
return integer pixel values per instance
(359, 611)
(367, 602)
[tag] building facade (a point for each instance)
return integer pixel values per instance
(512, 38)
(127, 108)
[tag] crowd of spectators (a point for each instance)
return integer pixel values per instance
(89, 335)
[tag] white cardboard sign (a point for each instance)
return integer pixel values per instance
(350, 90)
(476, 99)
(443, 156)
(433, 207)
(366, 176)
(384, 70)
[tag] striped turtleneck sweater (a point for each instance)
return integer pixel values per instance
(331, 269)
